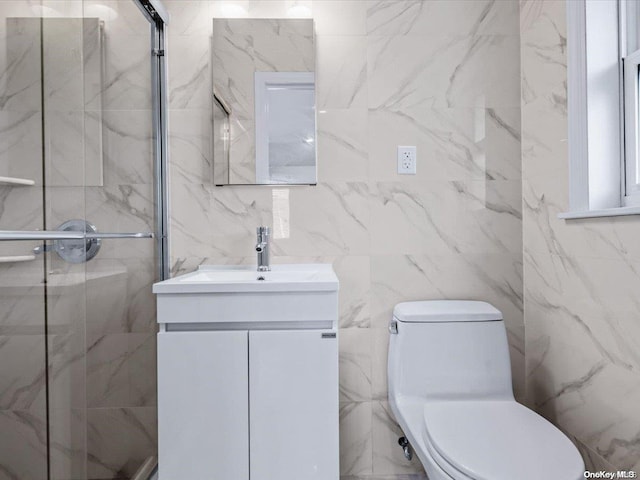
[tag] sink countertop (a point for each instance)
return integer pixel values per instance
(318, 277)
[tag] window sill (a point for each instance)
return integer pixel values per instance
(606, 212)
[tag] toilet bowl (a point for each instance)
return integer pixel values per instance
(451, 393)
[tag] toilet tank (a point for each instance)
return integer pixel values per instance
(447, 349)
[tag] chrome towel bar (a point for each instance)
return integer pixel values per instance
(18, 235)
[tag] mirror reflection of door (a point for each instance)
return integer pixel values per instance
(285, 127)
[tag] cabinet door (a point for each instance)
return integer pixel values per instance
(293, 404)
(203, 406)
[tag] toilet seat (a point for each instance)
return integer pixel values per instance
(497, 440)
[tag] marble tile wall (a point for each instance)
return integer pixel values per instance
(581, 277)
(441, 75)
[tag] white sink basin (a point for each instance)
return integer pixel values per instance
(225, 278)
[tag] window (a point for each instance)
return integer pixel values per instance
(603, 95)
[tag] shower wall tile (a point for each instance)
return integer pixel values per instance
(127, 147)
(126, 73)
(119, 440)
(22, 85)
(443, 76)
(22, 372)
(581, 277)
(67, 457)
(21, 140)
(21, 283)
(23, 444)
(107, 372)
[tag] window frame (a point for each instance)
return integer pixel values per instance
(629, 19)
(603, 134)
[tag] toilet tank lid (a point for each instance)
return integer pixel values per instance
(446, 311)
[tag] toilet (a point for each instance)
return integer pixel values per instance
(451, 393)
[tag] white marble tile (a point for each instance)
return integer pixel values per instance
(356, 454)
(106, 290)
(67, 370)
(355, 364)
(107, 373)
(388, 457)
(127, 146)
(119, 440)
(21, 140)
(19, 314)
(119, 17)
(341, 78)
(543, 58)
(355, 280)
(190, 146)
(191, 231)
(127, 72)
(22, 371)
(189, 72)
(67, 430)
(141, 302)
(442, 17)
(452, 143)
(21, 63)
(449, 71)
(544, 143)
(23, 449)
(328, 219)
(342, 145)
(347, 17)
(407, 218)
(251, 9)
(380, 351)
(142, 370)
(190, 17)
(490, 220)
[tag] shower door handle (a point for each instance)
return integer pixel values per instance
(44, 235)
(75, 241)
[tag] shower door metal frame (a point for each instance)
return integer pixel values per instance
(158, 17)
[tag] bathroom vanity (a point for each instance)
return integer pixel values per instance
(248, 374)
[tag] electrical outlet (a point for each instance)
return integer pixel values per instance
(407, 159)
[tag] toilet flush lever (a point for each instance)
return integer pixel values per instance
(393, 327)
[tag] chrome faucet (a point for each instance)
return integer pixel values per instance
(262, 247)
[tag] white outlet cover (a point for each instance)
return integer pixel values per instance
(407, 159)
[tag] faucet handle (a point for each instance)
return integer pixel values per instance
(262, 231)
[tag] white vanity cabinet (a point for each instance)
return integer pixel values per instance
(293, 392)
(203, 405)
(243, 394)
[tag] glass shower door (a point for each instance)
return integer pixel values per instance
(77, 316)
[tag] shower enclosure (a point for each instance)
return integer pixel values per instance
(82, 235)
